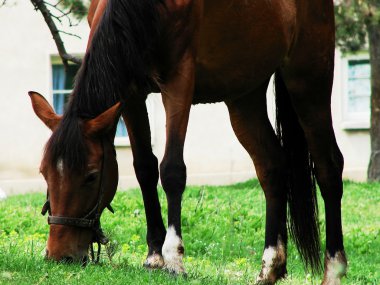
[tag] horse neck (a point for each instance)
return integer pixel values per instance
(118, 62)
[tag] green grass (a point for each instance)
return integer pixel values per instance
(223, 232)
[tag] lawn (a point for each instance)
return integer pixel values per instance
(223, 232)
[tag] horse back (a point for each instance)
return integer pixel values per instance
(238, 44)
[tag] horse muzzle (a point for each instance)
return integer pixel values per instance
(68, 244)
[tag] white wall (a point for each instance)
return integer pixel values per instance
(25, 52)
(212, 153)
(354, 143)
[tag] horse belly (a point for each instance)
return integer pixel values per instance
(241, 45)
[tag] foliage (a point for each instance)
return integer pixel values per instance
(78, 8)
(223, 231)
(353, 17)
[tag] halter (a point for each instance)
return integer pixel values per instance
(90, 221)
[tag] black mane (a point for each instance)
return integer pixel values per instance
(117, 64)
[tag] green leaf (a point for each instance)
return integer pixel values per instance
(78, 8)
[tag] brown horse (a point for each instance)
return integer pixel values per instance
(196, 51)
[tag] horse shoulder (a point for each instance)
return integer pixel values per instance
(180, 27)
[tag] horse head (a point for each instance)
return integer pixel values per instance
(81, 172)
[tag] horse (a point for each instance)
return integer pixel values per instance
(196, 51)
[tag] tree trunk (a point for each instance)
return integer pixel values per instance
(374, 47)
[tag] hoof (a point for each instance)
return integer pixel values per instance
(175, 269)
(154, 261)
(263, 282)
(173, 251)
(335, 268)
(174, 263)
(272, 277)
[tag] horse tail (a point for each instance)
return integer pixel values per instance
(301, 188)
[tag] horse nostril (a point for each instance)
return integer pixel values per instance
(67, 259)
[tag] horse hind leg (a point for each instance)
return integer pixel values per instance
(310, 95)
(251, 125)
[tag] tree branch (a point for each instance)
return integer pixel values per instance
(69, 34)
(63, 14)
(66, 57)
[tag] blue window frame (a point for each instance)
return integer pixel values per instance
(62, 87)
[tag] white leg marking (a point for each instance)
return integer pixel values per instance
(335, 268)
(274, 257)
(269, 255)
(172, 251)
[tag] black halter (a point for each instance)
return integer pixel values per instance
(89, 221)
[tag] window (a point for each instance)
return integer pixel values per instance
(62, 87)
(357, 93)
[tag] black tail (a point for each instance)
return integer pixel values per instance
(303, 208)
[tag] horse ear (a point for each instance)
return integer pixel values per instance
(44, 111)
(103, 123)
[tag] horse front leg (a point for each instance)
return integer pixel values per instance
(146, 169)
(177, 97)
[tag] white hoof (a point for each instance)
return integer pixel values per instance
(335, 268)
(172, 251)
(154, 261)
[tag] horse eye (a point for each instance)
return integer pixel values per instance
(91, 177)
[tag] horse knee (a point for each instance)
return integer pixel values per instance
(330, 177)
(173, 177)
(146, 170)
(337, 161)
(331, 186)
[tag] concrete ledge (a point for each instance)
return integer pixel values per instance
(355, 174)
(2, 195)
(38, 185)
(22, 186)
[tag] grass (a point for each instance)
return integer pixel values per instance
(223, 232)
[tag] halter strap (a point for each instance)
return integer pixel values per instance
(74, 222)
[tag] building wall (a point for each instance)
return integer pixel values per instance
(212, 153)
(353, 140)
